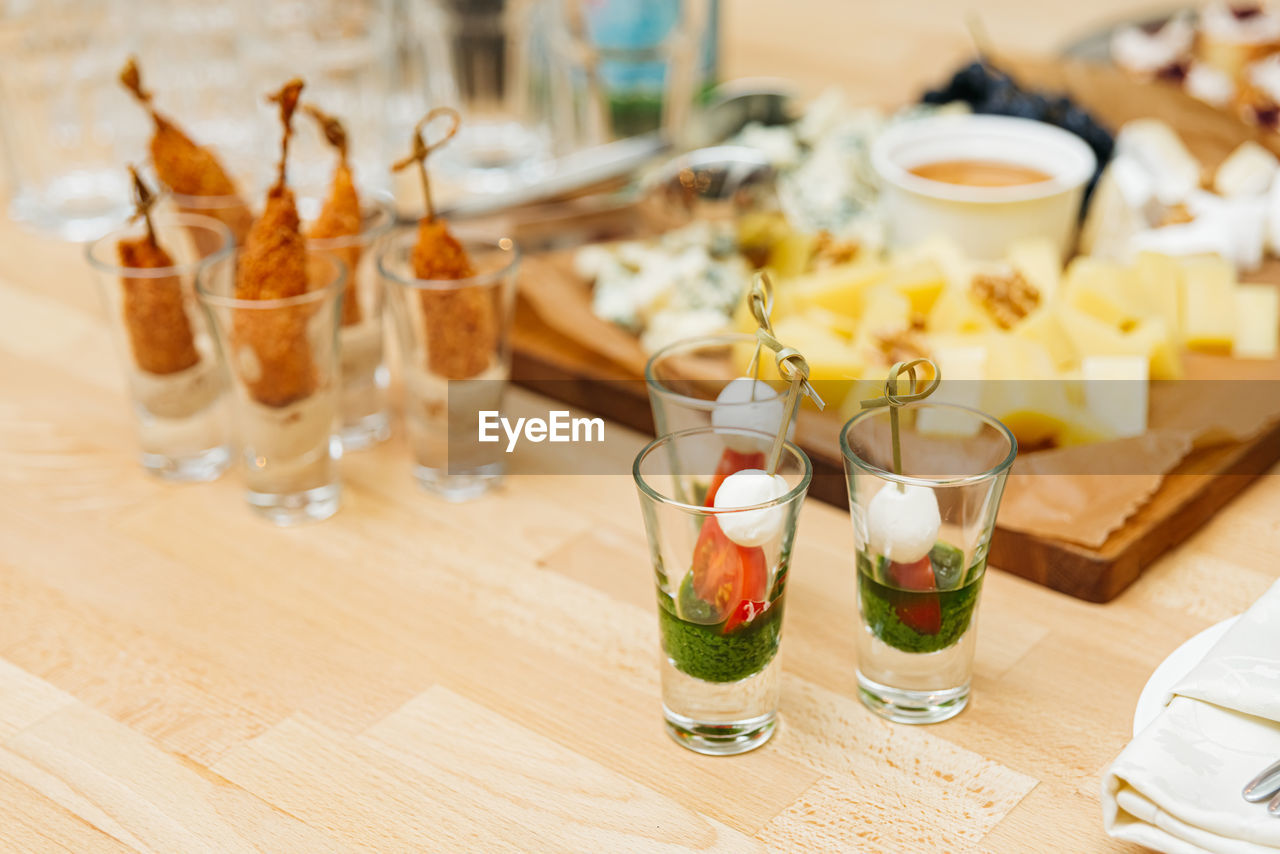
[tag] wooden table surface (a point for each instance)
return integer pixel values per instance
(176, 675)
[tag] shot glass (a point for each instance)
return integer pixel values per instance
(171, 363)
(721, 582)
(455, 358)
(282, 359)
(687, 384)
(921, 541)
(364, 420)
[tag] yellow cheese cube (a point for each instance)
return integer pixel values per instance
(1257, 322)
(919, 281)
(956, 311)
(1097, 287)
(840, 289)
(1044, 327)
(1153, 338)
(885, 313)
(1209, 319)
(1161, 281)
(1039, 262)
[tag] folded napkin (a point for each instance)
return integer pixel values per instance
(1176, 786)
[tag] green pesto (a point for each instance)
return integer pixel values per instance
(703, 651)
(880, 602)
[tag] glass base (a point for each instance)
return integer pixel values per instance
(459, 487)
(720, 739)
(295, 508)
(366, 432)
(912, 707)
(196, 468)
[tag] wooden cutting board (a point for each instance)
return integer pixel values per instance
(607, 378)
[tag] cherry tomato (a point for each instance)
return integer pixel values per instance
(731, 461)
(917, 606)
(725, 573)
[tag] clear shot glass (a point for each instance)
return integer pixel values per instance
(171, 363)
(455, 358)
(721, 578)
(285, 376)
(921, 539)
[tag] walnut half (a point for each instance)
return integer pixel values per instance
(1007, 298)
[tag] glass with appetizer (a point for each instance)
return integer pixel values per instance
(925, 481)
(146, 272)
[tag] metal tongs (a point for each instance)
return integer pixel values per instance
(1265, 785)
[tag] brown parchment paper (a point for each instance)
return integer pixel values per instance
(1080, 495)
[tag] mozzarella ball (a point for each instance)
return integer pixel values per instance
(902, 523)
(745, 489)
(735, 408)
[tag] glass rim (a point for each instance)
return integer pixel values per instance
(504, 244)
(337, 284)
(911, 480)
(726, 338)
(806, 475)
(92, 250)
(379, 202)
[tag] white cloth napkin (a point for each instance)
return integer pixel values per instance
(1176, 786)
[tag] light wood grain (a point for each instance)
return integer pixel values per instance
(416, 676)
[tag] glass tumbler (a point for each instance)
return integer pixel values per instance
(171, 364)
(66, 125)
(455, 358)
(921, 541)
(363, 416)
(626, 67)
(282, 359)
(721, 583)
(687, 386)
(488, 60)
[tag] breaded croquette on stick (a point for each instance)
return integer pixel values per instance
(273, 265)
(461, 324)
(340, 216)
(187, 168)
(154, 312)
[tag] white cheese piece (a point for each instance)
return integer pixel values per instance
(1273, 218)
(747, 488)
(1115, 390)
(1242, 220)
(671, 325)
(1155, 145)
(1209, 84)
(1203, 236)
(1257, 322)
(1142, 52)
(1247, 171)
(903, 522)
(1118, 210)
(748, 404)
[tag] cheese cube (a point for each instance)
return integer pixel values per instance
(1115, 389)
(1160, 279)
(1118, 209)
(1158, 148)
(1247, 171)
(884, 313)
(1097, 287)
(956, 311)
(920, 282)
(1209, 305)
(1039, 262)
(963, 368)
(1044, 327)
(840, 289)
(1153, 338)
(1257, 322)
